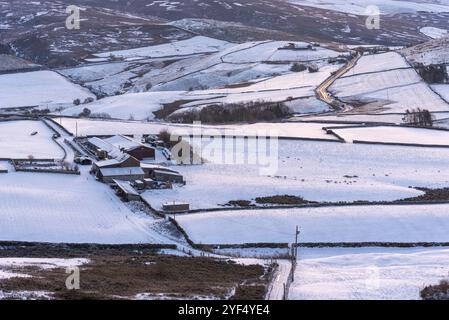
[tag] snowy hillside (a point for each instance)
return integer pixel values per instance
(385, 84)
(82, 211)
(39, 88)
(367, 273)
(386, 6)
(431, 52)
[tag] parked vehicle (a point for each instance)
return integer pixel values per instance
(83, 161)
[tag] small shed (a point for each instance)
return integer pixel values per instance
(176, 207)
(139, 184)
(150, 183)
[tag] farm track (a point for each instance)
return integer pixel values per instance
(280, 277)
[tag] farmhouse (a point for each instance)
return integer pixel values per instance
(122, 161)
(124, 167)
(131, 147)
(116, 145)
(297, 46)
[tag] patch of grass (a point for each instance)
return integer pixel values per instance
(115, 277)
(169, 108)
(249, 292)
(431, 195)
(436, 292)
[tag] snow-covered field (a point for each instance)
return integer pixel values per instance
(203, 81)
(384, 83)
(435, 51)
(442, 90)
(395, 135)
(269, 51)
(318, 171)
(392, 118)
(85, 127)
(367, 273)
(17, 142)
(38, 88)
(383, 223)
(434, 33)
(190, 46)
(138, 106)
(65, 208)
(378, 62)
(386, 6)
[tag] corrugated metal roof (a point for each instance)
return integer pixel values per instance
(122, 142)
(126, 187)
(112, 150)
(110, 172)
(123, 157)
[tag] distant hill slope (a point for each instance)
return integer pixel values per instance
(435, 51)
(10, 64)
(36, 30)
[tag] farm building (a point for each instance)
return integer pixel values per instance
(161, 173)
(166, 176)
(132, 147)
(123, 168)
(108, 175)
(176, 207)
(114, 146)
(102, 149)
(122, 161)
(126, 191)
(297, 46)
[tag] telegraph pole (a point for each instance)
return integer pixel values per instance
(295, 252)
(296, 241)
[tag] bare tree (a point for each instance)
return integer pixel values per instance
(165, 136)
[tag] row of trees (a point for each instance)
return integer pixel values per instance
(252, 111)
(418, 117)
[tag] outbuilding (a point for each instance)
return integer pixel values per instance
(132, 147)
(176, 207)
(126, 191)
(123, 161)
(108, 175)
(161, 173)
(166, 176)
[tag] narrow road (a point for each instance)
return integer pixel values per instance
(322, 90)
(276, 287)
(69, 154)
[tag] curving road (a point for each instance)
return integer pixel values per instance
(322, 90)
